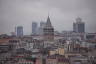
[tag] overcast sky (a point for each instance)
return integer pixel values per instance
(62, 14)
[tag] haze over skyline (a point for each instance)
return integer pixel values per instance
(62, 14)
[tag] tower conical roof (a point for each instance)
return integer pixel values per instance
(48, 23)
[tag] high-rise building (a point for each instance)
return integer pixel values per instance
(48, 31)
(19, 31)
(79, 26)
(34, 28)
(42, 24)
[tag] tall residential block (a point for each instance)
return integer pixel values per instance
(79, 26)
(19, 31)
(34, 28)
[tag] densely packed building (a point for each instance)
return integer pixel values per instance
(67, 47)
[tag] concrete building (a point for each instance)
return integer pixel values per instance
(59, 51)
(34, 28)
(22, 60)
(73, 35)
(79, 60)
(79, 26)
(90, 36)
(39, 61)
(57, 59)
(19, 31)
(42, 24)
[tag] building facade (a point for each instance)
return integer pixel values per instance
(34, 28)
(19, 31)
(79, 26)
(42, 24)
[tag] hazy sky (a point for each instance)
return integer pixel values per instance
(62, 14)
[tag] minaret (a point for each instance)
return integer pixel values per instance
(48, 31)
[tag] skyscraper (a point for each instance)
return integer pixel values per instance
(42, 24)
(19, 31)
(48, 31)
(34, 28)
(79, 26)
